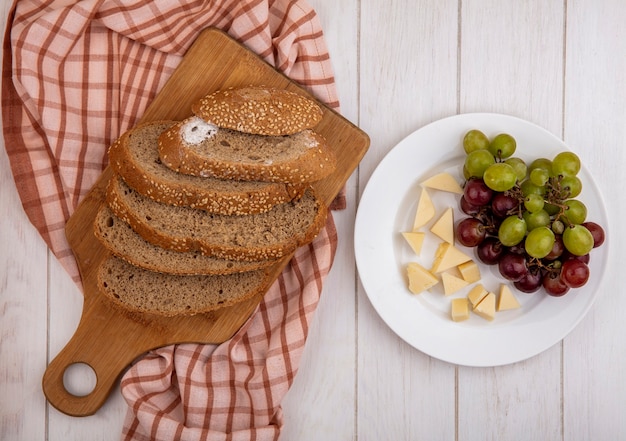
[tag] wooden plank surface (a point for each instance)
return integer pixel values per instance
(398, 66)
(214, 62)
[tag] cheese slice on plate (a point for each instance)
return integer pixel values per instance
(476, 294)
(452, 283)
(415, 239)
(444, 226)
(420, 279)
(448, 256)
(506, 299)
(459, 309)
(469, 271)
(425, 210)
(487, 307)
(443, 181)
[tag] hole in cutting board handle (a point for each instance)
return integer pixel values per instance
(79, 379)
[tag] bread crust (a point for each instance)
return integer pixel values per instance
(191, 240)
(314, 162)
(158, 182)
(122, 241)
(259, 110)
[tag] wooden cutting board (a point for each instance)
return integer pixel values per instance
(107, 339)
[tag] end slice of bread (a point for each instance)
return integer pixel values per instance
(121, 240)
(134, 156)
(270, 235)
(259, 110)
(139, 290)
(190, 147)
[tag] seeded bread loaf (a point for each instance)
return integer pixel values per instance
(134, 156)
(196, 148)
(121, 240)
(140, 290)
(269, 235)
(259, 110)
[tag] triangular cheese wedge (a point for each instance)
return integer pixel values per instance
(469, 271)
(420, 279)
(425, 210)
(487, 307)
(443, 181)
(444, 226)
(506, 299)
(452, 283)
(447, 256)
(415, 239)
(459, 309)
(476, 294)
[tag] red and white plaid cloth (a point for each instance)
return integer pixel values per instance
(78, 74)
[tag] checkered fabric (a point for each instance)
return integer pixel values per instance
(77, 74)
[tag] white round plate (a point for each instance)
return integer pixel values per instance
(387, 208)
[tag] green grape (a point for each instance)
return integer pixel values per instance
(500, 177)
(475, 140)
(519, 166)
(502, 146)
(578, 240)
(572, 185)
(539, 242)
(528, 188)
(575, 211)
(558, 227)
(477, 162)
(544, 163)
(512, 231)
(539, 176)
(566, 164)
(533, 203)
(551, 208)
(537, 219)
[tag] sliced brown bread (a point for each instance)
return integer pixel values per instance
(259, 110)
(191, 147)
(269, 235)
(139, 290)
(121, 240)
(134, 156)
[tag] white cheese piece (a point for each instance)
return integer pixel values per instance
(425, 210)
(470, 271)
(444, 226)
(487, 307)
(415, 239)
(452, 283)
(447, 256)
(506, 299)
(420, 279)
(476, 294)
(443, 181)
(459, 309)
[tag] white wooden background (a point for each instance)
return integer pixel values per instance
(399, 65)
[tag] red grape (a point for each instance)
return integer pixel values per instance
(470, 232)
(596, 231)
(553, 284)
(574, 273)
(490, 250)
(477, 193)
(502, 204)
(469, 209)
(530, 282)
(512, 266)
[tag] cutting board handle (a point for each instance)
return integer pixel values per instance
(93, 344)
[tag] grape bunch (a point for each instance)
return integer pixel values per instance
(525, 218)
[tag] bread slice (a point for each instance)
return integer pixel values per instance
(259, 110)
(121, 240)
(139, 290)
(195, 148)
(269, 235)
(134, 156)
